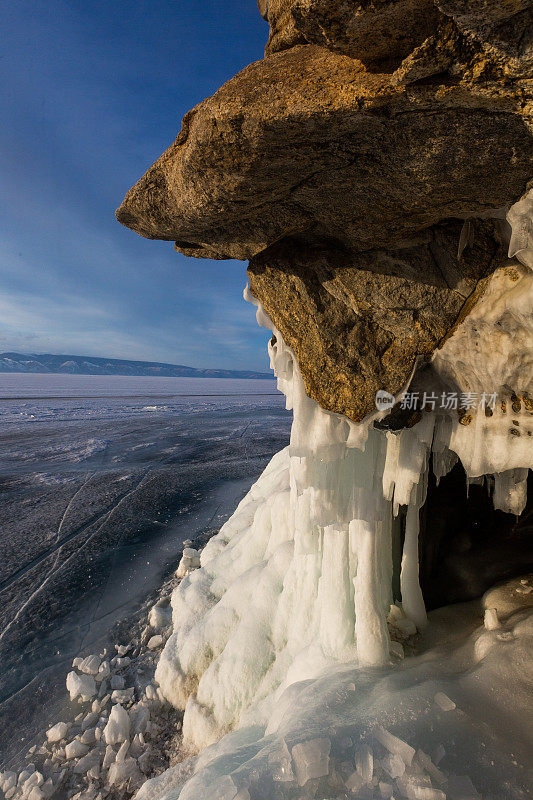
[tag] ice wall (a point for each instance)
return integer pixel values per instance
(300, 578)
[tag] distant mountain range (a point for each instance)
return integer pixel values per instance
(83, 365)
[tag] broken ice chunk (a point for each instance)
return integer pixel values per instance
(117, 729)
(427, 764)
(386, 790)
(366, 792)
(122, 695)
(415, 792)
(76, 749)
(123, 772)
(87, 762)
(491, 619)
(160, 617)
(444, 702)
(393, 765)
(311, 759)
(189, 561)
(8, 780)
(104, 671)
(57, 732)
(90, 665)
(364, 763)
(155, 641)
(81, 686)
(280, 763)
(394, 745)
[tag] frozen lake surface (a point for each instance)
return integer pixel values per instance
(24, 385)
(101, 480)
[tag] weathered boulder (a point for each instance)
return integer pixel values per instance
(372, 32)
(308, 141)
(358, 322)
(383, 32)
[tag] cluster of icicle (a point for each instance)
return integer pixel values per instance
(300, 577)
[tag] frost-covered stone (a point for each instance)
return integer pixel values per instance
(82, 686)
(117, 729)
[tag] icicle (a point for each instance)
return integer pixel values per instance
(370, 620)
(412, 600)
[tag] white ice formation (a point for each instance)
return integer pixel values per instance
(300, 577)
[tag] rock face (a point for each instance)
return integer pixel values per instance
(358, 322)
(373, 32)
(344, 165)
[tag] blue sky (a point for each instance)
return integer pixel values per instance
(90, 94)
